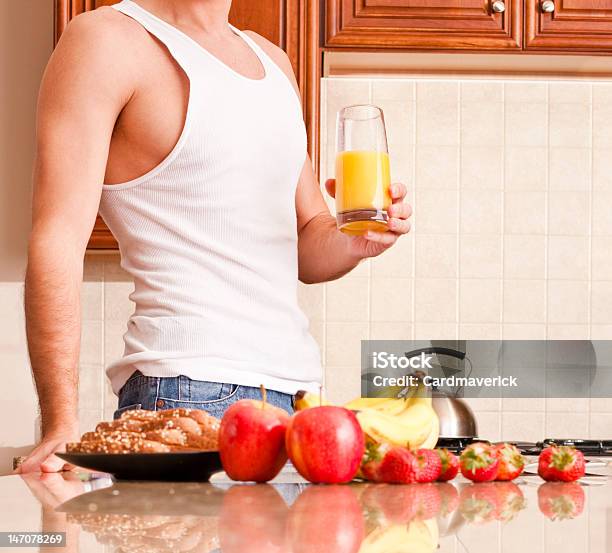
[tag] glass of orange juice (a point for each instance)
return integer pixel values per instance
(362, 170)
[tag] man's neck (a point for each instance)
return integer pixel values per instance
(209, 16)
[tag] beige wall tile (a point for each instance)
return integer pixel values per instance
(522, 426)
(602, 212)
(526, 124)
(484, 404)
(435, 331)
(568, 301)
(602, 258)
(437, 91)
(12, 321)
(91, 391)
(521, 92)
(526, 167)
(396, 261)
(343, 343)
(525, 212)
(437, 124)
(347, 300)
(88, 419)
(393, 89)
(568, 332)
(92, 340)
(482, 92)
(482, 167)
(523, 331)
(436, 300)
(437, 167)
(601, 332)
(93, 267)
(602, 130)
(570, 168)
(559, 424)
(436, 255)
(92, 301)
(524, 256)
(567, 405)
(524, 301)
(342, 384)
(113, 340)
(481, 211)
(569, 92)
(602, 169)
(117, 303)
(436, 212)
(391, 299)
(362, 270)
(599, 405)
(599, 426)
(601, 302)
(570, 125)
(568, 213)
(568, 257)
(113, 271)
(482, 124)
(489, 426)
(480, 256)
(390, 331)
(480, 331)
(311, 298)
(480, 300)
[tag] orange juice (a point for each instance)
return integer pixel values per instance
(362, 190)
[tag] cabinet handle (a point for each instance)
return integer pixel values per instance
(498, 6)
(548, 6)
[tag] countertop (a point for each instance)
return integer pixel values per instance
(289, 516)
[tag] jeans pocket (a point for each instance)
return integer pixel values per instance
(197, 393)
(122, 410)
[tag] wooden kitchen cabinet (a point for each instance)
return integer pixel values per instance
(291, 24)
(569, 25)
(425, 24)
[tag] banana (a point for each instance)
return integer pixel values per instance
(305, 400)
(402, 431)
(391, 406)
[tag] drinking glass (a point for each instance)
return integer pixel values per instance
(362, 170)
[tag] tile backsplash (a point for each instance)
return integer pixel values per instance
(511, 183)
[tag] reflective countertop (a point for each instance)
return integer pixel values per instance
(289, 516)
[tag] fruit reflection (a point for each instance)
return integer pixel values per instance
(326, 518)
(561, 500)
(253, 518)
(489, 501)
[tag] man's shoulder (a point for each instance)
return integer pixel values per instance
(104, 29)
(277, 54)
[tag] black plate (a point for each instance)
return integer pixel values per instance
(183, 466)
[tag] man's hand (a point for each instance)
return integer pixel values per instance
(42, 458)
(375, 243)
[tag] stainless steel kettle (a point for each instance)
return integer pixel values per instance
(457, 419)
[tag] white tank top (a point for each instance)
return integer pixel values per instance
(210, 234)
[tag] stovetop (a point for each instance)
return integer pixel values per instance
(591, 448)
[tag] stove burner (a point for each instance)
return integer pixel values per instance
(592, 448)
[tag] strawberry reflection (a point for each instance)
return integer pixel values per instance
(561, 500)
(488, 501)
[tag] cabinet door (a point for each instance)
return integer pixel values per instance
(424, 24)
(580, 25)
(292, 24)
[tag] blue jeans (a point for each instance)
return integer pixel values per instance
(155, 393)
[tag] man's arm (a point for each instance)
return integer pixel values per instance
(82, 93)
(325, 253)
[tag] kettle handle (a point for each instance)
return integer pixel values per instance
(436, 349)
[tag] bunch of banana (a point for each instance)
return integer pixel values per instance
(408, 422)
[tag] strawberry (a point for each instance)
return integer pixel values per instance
(511, 462)
(450, 465)
(428, 465)
(479, 463)
(371, 461)
(561, 463)
(397, 467)
(561, 500)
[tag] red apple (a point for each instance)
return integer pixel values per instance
(325, 444)
(252, 440)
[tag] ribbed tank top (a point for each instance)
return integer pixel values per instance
(210, 234)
